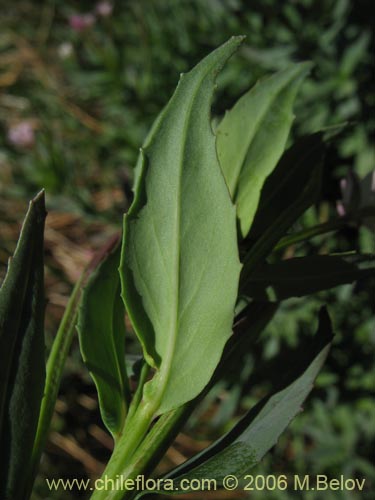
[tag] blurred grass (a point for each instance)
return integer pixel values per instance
(87, 97)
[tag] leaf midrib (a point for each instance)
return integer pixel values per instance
(119, 371)
(166, 365)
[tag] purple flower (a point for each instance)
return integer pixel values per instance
(22, 134)
(104, 8)
(80, 22)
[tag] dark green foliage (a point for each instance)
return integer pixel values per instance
(22, 353)
(287, 193)
(306, 275)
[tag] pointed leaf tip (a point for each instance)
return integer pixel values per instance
(181, 295)
(22, 356)
(252, 136)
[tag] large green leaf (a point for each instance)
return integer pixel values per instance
(252, 137)
(306, 275)
(101, 328)
(180, 262)
(22, 356)
(292, 187)
(258, 431)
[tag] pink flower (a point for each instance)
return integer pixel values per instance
(340, 208)
(80, 22)
(22, 134)
(104, 9)
(349, 187)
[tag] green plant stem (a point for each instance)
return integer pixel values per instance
(54, 369)
(57, 358)
(121, 460)
(145, 370)
(149, 452)
(138, 452)
(142, 459)
(326, 227)
(260, 249)
(157, 442)
(306, 234)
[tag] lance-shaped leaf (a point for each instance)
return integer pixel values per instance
(258, 431)
(57, 357)
(180, 262)
(291, 189)
(22, 356)
(306, 275)
(252, 137)
(101, 328)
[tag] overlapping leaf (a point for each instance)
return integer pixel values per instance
(252, 137)
(291, 188)
(258, 431)
(22, 356)
(246, 332)
(180, 262)
(101, 328)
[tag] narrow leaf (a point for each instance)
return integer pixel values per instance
(101, 328)
(288, 180)
(22, 356)
(358, 217)
(306, 275)
(258, 431)
(252, 137)
(292, 188)
(57, 356)
(180, 262)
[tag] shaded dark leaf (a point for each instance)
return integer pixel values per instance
(22, 356)
(290, 190)
(306, 275)
(258, 431)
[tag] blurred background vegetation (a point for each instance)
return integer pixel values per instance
(80, 84)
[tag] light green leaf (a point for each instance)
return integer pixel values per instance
(306, 275)
(252, 137)
(22, 356)
(101, 328)
(180, 262)
(258, 431)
